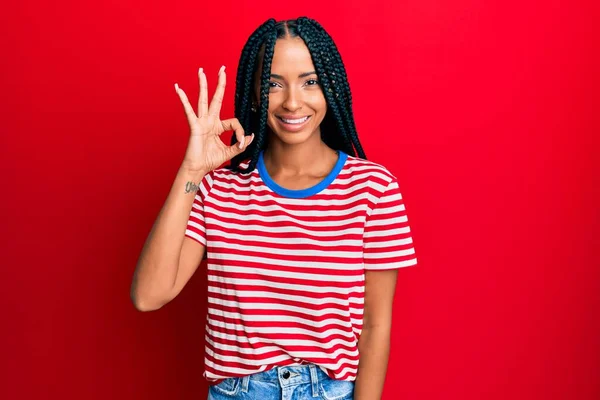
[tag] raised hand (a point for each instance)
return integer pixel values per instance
(206, 151)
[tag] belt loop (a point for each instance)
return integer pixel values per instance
(245, 383)
(314, 379)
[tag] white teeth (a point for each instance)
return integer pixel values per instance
(294, 121)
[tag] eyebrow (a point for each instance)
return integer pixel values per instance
(299, 76)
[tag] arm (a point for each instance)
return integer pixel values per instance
(168, 258)
(374, 341)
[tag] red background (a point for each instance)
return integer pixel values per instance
(487, 112)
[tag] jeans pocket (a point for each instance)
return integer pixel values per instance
(335, 389)
(228, 386)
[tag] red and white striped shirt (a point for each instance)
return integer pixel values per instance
(286, 268)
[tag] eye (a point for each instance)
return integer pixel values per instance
(273, 84)
(316, 82)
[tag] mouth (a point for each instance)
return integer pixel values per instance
(293, 125)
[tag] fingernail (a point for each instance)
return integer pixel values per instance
(242, 143)
(200, 70)
(221, 69)
(176, 88)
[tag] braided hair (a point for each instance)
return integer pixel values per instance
(338, 129)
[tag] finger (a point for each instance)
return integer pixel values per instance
(234, 149)
(217, 101)
(241, 138)
(233, 124)
(189, 111)
(203, 97)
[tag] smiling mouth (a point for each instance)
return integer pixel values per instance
(297, 121)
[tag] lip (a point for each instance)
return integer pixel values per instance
(290, 116)
(292, 127)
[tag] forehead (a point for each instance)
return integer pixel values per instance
(290, 56)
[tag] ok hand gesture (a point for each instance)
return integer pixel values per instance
(206, 151)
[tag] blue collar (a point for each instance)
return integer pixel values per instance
(298, 194)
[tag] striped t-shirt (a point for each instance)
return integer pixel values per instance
(286, 268)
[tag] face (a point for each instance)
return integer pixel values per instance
(297, 105)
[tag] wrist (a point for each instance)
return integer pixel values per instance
(192, 174)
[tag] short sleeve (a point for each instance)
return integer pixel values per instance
(196, 227)
(387, 240)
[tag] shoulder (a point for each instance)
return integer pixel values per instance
(226, 173)
(226, 177)
(378, 175)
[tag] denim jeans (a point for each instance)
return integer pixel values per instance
(296, 382)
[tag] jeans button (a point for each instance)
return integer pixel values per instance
(286, 374)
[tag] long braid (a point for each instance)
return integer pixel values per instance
(261, 140)
(338, 129)
(245, 73)
(323, 63)
(337, 89)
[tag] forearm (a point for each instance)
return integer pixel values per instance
(374, 350)
(156, 270)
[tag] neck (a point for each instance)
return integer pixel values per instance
(310, 157)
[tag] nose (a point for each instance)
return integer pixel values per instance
(293, 100)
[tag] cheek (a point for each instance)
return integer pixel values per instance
(318, 102)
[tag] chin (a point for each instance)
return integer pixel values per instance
(290, 137)
(293, 137)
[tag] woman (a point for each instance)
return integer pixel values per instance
(304, 235)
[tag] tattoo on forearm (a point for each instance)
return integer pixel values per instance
(191, 187)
